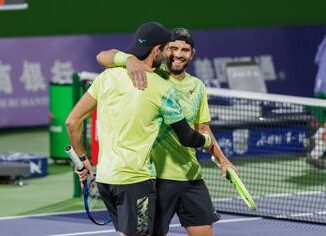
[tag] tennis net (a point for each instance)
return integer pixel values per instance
(277, 143)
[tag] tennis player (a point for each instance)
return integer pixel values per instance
(315, 156)
(128, 123)
(180, 184)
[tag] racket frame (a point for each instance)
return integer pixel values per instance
(79, 166)
(233, 177)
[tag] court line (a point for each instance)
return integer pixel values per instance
(41, 215)
(275, 195)
(171, 226)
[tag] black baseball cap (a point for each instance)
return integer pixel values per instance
(148, 36)
(183, 35)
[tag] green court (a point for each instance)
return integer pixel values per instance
(53, 193)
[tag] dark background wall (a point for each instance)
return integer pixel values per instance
(63, 17)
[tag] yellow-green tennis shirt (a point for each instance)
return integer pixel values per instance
(172, 160)
(128, 122)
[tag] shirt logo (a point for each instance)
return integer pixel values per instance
(141, 40)
(191, 91)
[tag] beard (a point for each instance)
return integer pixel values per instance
(175, 70)
(157, 63)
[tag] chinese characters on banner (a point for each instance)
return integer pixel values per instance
(28, 91)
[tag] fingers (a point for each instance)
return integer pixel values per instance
(88, 170)
(143, 79)
(82, 175)
(132, 79)
(224, 174)
(91, 174)
(225, 168)
(139, 79)
(137, 71)
(224, 171)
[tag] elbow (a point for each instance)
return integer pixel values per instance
(70, 124)
(103, 58)
(99, 57)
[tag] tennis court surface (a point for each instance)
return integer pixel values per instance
(77, 223)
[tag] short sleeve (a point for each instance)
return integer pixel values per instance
(94, 88)
(203, 114)
(98, 84)
(170, 109)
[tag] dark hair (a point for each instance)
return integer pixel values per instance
(182, 34)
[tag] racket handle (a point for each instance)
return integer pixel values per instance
(74, 157)
(215, 161)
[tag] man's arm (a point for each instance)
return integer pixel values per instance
(106, 58)
(224, 161)
(189, 137)
(74, 125)
(135, 67)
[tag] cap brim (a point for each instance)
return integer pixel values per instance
(139, 50)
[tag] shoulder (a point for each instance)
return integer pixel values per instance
(158, 78)
(115, 71)
(195, 79)
(197, 82)
(111, 73)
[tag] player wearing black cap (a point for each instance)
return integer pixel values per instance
(128, 123)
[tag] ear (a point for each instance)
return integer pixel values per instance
(193, 54)
(156, 49)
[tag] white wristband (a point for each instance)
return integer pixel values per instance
(120, 58)
(208, 140)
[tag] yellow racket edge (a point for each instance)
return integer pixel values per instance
(242, 190)
(239, 186)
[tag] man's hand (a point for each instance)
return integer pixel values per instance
(222, 159)
(87, 171)
(137, 71)
(225, 165)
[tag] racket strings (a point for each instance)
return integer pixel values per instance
(97, 210)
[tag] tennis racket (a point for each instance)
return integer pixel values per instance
(233, 177)
(93, 203)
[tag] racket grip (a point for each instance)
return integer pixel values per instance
(74, 157)
(215, 161)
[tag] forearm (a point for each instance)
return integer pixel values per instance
(106, 58)
(75, 134)
(216, 150)
(188, 136)
(74, 122)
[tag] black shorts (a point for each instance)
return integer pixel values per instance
(131, 206)
(189, 199)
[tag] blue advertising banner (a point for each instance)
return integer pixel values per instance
(284, 55)
(262, 141)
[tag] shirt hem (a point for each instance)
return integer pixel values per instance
(124, 183)
(179, 179)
